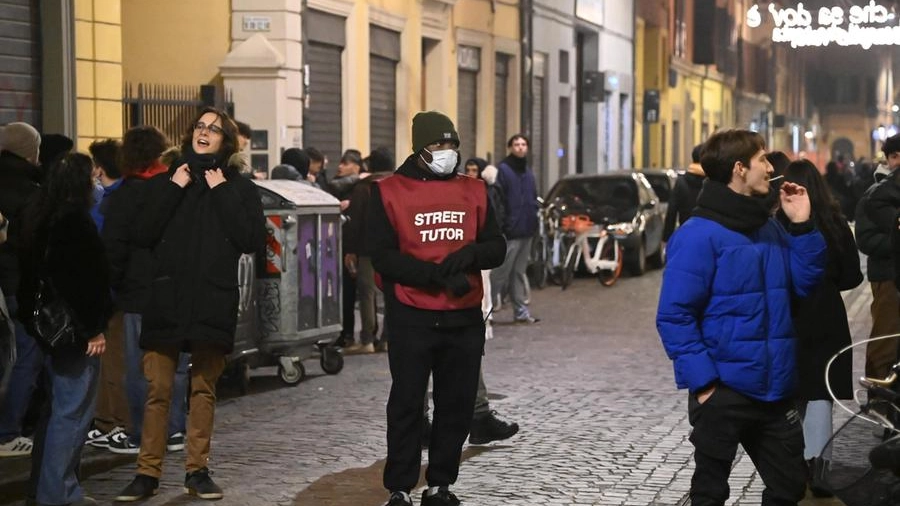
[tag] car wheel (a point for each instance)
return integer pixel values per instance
(637, 263)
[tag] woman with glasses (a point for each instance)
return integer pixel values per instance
(60, 244)
(197, 219)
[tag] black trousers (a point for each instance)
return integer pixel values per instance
(771, 434)
(452, 357)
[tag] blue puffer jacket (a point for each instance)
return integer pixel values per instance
(521, 200)
(725, 305)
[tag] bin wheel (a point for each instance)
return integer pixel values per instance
(332, 361)
(291, 375)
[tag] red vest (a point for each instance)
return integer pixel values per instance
(433, 219)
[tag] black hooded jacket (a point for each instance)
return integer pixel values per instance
(196, 235)
(396, 267)
(18, 182)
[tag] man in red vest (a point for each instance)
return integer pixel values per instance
(430, 233)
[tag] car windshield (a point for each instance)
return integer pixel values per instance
(603, 197)
(660, 184)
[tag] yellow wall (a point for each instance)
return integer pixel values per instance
(98, 68)
(174, 41)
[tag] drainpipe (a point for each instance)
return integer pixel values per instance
(526, 63)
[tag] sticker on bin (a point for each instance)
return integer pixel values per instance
(273, 245)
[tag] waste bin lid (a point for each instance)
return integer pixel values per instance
(281, 193)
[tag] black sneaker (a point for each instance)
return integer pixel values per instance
(488, 427)
(175, 443)
(443, 497)
(399, 499)
(201, 485)
(141, 487)
(426, 433)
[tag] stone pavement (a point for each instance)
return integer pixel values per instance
(590, 385)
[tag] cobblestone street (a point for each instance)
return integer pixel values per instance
(590, 385)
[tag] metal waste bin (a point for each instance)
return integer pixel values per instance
(290, 304)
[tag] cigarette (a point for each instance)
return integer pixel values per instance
(776, 178)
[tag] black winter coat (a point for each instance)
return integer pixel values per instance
(820, 321)
(130, 266)
(18, 182)
(196, 235)
(682, 202)
(873, 240)
(77, 268)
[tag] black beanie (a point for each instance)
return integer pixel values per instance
(296, 158)
(891, 145)
(432, 126)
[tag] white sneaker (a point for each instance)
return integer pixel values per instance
(17, 447)
(99, 440)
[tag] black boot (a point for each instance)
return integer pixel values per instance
(488, 427)
(818, 477)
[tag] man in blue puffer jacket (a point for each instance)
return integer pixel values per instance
(725, 320)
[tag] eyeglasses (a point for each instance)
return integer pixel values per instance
(215, 129)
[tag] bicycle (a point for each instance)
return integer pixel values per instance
(537, 271)
(605, 259)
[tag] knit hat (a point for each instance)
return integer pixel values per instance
(285, 171)
(21, 139)
(296, 158)
(432, 126)
(54, 146)
(891, 145)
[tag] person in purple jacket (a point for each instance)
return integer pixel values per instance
(724, 317)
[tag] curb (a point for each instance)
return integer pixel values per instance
(15, 471)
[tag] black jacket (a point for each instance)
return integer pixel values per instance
(18, 183)
(196, 235)
(354, 231)
(396, 267)
(77, 268)
(874, 214)
(821, 324)
(130, 266)
(682, 202)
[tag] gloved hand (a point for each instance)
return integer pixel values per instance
(459, 261)
(458, 284)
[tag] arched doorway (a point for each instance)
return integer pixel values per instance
(842, 146)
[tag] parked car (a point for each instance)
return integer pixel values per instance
(624, 197)
(662, 181)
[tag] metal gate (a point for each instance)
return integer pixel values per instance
(170, 108)
(383, 103)
(385, 53)
(322, 119)
(20, 62)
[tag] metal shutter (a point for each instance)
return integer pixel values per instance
(538, 125)
(20, 62)
(500, 88)
(467, 114)
(383, 103)
(322, 125)
(384, 49)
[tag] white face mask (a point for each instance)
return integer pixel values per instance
(443, 162)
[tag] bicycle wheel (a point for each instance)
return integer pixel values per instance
(612, 250)
(568, 267)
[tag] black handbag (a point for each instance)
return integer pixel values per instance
(51, 322)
